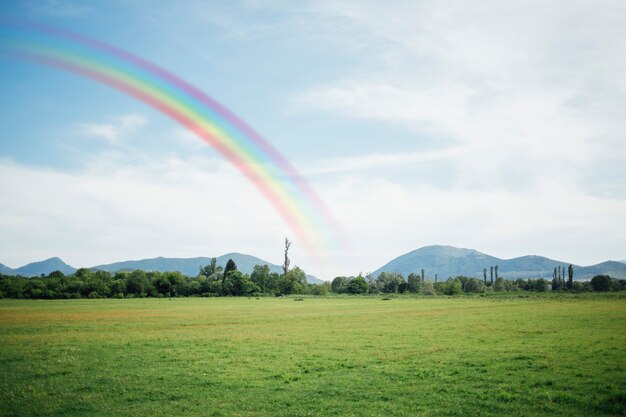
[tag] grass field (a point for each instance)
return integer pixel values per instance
(316, 357)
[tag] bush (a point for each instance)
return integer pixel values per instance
(473, 286)
(452, 288)
(601, 283)
(429, 289)
(319, 289)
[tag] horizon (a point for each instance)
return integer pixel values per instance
(496, 128)
(328, 279)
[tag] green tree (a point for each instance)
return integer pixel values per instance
(357, 285)
(56, 274)
(83, 273)
(601, 283)
(236, 283)
(338, 285)
(261, 277)
(452, 287)
(372, 284)
(499, 285)
(389, 282)
(209, 269)
(319, 289)
(414, 282)
(230, 266)
(294, 282)
(118, 286)
(161, 283)
(176, 281)
(540, 285)
(136, 282)
(473, 285)
(273, 285)
(570, 277)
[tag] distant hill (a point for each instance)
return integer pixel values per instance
(448, 261)
(191, 266)
(35, 269)
(186, 266)
(612, 268)
(442, 260)
(6, 270)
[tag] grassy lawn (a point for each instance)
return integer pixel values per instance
(316, 357)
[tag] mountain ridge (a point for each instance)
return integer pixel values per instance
(443, 260)
(187, 266)
(450, 261)
(39, 267)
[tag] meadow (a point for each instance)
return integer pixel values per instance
(335, 356)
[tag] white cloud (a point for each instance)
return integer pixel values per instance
(113, 132)
(198, 207)
(108, 132)
(377, 161)
(527, 91)
(386, 219)
(110, 213)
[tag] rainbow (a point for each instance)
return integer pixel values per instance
(270, 172)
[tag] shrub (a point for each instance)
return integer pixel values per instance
(473, 286)
(452, 288)
(601, 283)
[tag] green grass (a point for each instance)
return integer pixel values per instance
(352, 356)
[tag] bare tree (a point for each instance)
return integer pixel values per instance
(286, 264)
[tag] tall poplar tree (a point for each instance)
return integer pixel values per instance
(570, 275)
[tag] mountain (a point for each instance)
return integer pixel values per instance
(191, 266)
(6, 270)
(612, 268)
(35, 269)
(448, 261)
(186, 266)
(444, 261)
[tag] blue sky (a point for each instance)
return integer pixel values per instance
(495, 126)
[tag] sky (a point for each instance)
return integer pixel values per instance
(497, 126)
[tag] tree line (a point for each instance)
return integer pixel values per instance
(391, 282)
(213, 281)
